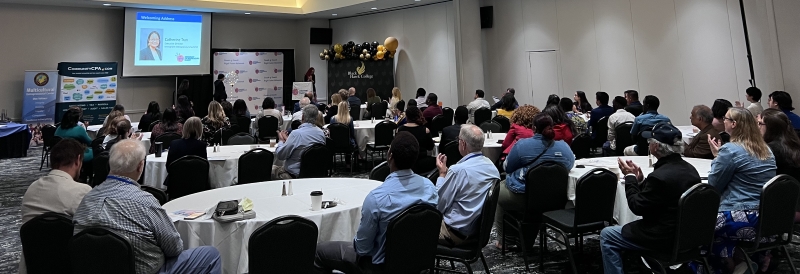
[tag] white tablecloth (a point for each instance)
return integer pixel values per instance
(492, 147)
(92, 130)
(622, 212)
(223, 166)
(287, 121)
(335, 224)
(687, 132)
(146, 141)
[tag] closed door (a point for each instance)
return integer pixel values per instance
(543, 76)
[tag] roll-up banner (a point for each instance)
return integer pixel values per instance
(91, 86)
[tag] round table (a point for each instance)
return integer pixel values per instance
(146, 141)
(492, 147)
(622, 212)
(335, 224)
(687, 132)
(92, 130)
(223, 166)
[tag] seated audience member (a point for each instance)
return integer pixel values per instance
(190, 143)
(521, 127)
(582, 104)
(311, 100)
(602, 110)
(110, 127)
(267, 109)
(649, 118)
(169, 124)
(399, 191)
(479, 102)
(463, 187)
(719, 109)
(634, 106)
(655, 198)
(739, 172)
(290, 147)
(353, 100)
(782, 101)
(553, 99)
(184, 108)
(298, 115)
(421, 100)
(214, 122)
(227, 109)
(119, 204)
(119, 108)
(399, 113)
(416, 126)
(562, 126)
(508, 106)
(343, 117)
(567, 107)
(699, 148)
(333, 109)
(450, 133)
(499, 103)
(124, 131)
(433, 108)
(396, 97)
(526, 154)
(153, 114)
(372, 98)
(620, 116)
(57, 191)
(782, 141)
(69, 129)
(240, 109)
(754, 97)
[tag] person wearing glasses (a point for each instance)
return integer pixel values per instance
(152, 51)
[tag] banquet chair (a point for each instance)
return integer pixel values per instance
(339, 143)
(313, 162)
(295, 124)
(481, 115)
(581, 146)
(451, 151)
(448, 112)
(225, 134)
(694, 233)
(472, 248)
(159, 194)
(286, 244)
(45, 243)
(415, 229)
(241, 138)
(505, 124)
(100, 168)
(355, 112)
(600, 132)
(433, 175)
(775, 219)
(379, 110)
(622, 138)
(547, 192)
(152, 125)
(438, 123)
(49, 139)
(491, 126)
(380, 172)
(97, 145)
(187, 175)
(97, 250)
(255, 166)
(595, 193)
(167, 138)
(641, 142)
(384, 135)
(267, 128)
(242, 124)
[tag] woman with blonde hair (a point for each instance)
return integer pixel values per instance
(396, 97)
(343, 117)
(739, 171)
(213, 122)
(333, 109)
(110, 128)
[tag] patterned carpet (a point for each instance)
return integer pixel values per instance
(17, 174)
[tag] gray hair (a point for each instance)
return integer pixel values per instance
(664, 150)
(704, 113)
(125, 156)
(304, 102)
(472, 135)
(352, 91)
(310, 114)
(193, 128)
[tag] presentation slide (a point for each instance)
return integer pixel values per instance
(165, 43)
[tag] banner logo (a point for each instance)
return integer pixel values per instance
(361, 69)
(360, 73)
(41, 79)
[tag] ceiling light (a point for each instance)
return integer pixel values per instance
(374, 8)
(417, 0)
(106, 4)
(334, 14)
(247, 13)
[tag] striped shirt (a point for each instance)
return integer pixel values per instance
(118, 204)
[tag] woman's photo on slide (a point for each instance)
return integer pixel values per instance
(150, 43)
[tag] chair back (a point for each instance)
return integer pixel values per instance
(487, 214)
(355, 112)
(295, 124)
(241, 138)
(415, 229)
(642, 147)
(775, 218)
(45, 243)
(697, 217)
(482, 115)
(187, 175)
(48, 132)
(595, 193)
(379, 110)
(491, 125)
(159, 194)
(339, 138)
(581, 146)
(99, 250)
(255, 166)
(438, 123)
(380, 172)
(600, 132)
(448, 112)
(225, 134)
(504, 123)
(286, 244)
(545, 189)
(268, 127)
(384, 133)
(152, 125)
(243, 124)
(622, 137)
(315, 162)
(167, 138)
(451, 151)
(100, 168)
(97, 145)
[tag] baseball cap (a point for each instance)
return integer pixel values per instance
(663, 132)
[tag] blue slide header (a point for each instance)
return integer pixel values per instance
(163, 17)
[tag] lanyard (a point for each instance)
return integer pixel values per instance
(121, 179)
(472, 156)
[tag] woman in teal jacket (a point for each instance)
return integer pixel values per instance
(69, 129)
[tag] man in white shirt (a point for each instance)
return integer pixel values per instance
(479, 102)
(57, 191)
(620, 116)
(299, 115)
(754, 97)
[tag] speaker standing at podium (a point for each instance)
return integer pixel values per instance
(219, 89)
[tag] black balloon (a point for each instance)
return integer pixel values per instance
(357, 48)
(351, 44)
(365, 45)
(375, 44)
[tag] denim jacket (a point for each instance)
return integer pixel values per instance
(739, 177)
(525, 150)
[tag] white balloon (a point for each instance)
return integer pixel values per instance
(231, 78)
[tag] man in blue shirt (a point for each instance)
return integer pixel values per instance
(400, 190)
(290, 148)
(782, 101)
(647, 120)
(602, 110)
(463, 187)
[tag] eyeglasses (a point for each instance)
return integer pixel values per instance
(729, 119)
(761, 124)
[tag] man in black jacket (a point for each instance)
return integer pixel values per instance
(450, 133)
(219, 89)
(654, 198)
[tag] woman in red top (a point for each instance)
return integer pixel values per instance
(562, 125)
(521, 123)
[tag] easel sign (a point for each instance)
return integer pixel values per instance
(299, 89)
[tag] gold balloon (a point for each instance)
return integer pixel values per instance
(327, 57)
(322, 55)
(380, 55)
(361, 56)
(325, 51)
(367, 55)
(337, 48)
(390, 44)
(381, 48)
(365, 51)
